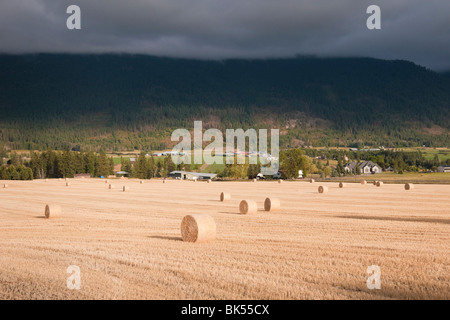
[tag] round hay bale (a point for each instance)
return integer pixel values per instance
(141, 182)
(254, 180)
(225, 196)
(67, 184)
(379, 183)
(52, 211)
(198, 228)
(312, 180)
(409, 186)
(341, 185)
(375, 183)
(247, 206)
(125, 188)
(5, 186)
(323, 189)
(46, 180)
(164, 181)
(280, 181)
(363, 182)
(111, 186)
(209, 181)
(106, 181)
(272, 204)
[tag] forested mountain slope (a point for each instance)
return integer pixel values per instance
(118, 102)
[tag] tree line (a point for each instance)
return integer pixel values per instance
(56, 164)
(65, 164)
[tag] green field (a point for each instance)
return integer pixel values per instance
(390, 177)
(429, 153)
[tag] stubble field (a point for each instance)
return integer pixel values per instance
(318, 246)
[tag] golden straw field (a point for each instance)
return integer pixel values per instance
(316, 246)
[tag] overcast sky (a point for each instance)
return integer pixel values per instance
(416, 30)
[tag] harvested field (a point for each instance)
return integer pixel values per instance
(317, 246)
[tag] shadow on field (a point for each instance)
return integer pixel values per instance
(237, 213)
(405, 219)
(166, 238)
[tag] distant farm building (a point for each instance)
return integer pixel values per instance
(167, 153)
(81, 175)
(444, 169)
(122, 174)
(185, 175)
(364, 166)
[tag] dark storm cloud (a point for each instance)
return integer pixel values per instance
(414, 30)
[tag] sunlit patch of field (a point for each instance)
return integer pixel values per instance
(318, 246)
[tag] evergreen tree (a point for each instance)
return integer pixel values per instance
(140, 166)
(102, 165)
(170, 165)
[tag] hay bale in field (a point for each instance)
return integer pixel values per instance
(106, 181)
(198, 228)
(280, 181)
(164, 181)
(312, 180)
(363, 182)
(254, 180)
(111, 186)
(272, 204)
(323, 189)
(5, 186)
(341, 185)
(225, 196)
(52, 211)
(125, 188)
(46, 180)
(209, 181)
(409, 186)
(141, 182)
(247, 206)
(67, 184)
(379, 183)
(375, 183)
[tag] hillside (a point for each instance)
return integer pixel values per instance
(125, 102)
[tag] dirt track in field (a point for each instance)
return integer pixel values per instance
(318, 246)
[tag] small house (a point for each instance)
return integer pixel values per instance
(364, 166)
(185, 175)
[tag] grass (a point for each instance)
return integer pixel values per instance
(390, 177)
(429, 153)
(213, 168)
